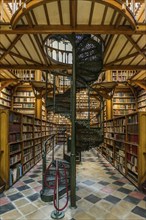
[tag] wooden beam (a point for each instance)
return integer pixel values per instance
(37, 67)
(20, 56)
(69, 67)
(135, 45)
(11, 46)
(126, 57)
(141, 85)
(64, 29)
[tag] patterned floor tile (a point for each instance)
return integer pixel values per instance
(112, 199)
(15, 196)
(118, 183)
(21, 188)
(6, 208)
(132, 199)
(137, 195)
(33, 197)
(28, 181)
(124, 190)
(88, 182)
(104, 183)
(101, 188)
(139, 211)
(92, 198)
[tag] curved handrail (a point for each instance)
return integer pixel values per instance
(44, 150)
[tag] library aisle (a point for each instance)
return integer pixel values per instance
(102, 193)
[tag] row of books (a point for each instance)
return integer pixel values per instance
(4, 103)
(27, 157)
(28, 144)
(132, 168)
(133, 119)
(5, 96)
(27, 120)
(27, 128)
(15, 173)
(15, 128)
(24, 105)
(120, 167)
(132, 159)
(132, 149)
(15, 158)
(122, 94)
(125, 100)
(15, 147)
(133, 138)
(120, 112)
(109, 141)
(28, 165)
(26, 136)
(14, 117)
(24, 93)
(119, 137)
(132, 129)
(25, 99)
(125, 106)
(14, 137)
(6, 91)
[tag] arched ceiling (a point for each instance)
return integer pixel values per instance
(21, 40)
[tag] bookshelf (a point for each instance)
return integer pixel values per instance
(24, 100)
(21, 140)
(124, 145)
(123, 103)
(141, 99)
(122, 75)
(5, 98)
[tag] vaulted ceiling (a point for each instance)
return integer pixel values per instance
(22, 36)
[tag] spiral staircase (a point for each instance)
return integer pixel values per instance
(88, 67)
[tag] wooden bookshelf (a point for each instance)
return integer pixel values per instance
(124, 145)
(123, 103)
(21, 141)
(5, 98)
(122, 75)
(24, 100)
(141, 99)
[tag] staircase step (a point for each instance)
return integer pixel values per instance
(48, 194)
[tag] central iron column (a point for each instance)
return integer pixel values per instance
(73, 134)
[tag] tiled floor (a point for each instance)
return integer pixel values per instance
(101, 193)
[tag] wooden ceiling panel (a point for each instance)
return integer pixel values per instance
(83, 12)
(4, 40)
(31, 47)
(23, 21)
(65, 12)
(40, 16)
(118, 45)
(142, 42)
(11, 59)
(108, 16)
(115, 19)
(19, 46)
(37, 49)
(127, 61)
(97, 14)
(53, 13)
(123, 20)
(137, 61)
(110, 47)
(126, 50)
(32, 18)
